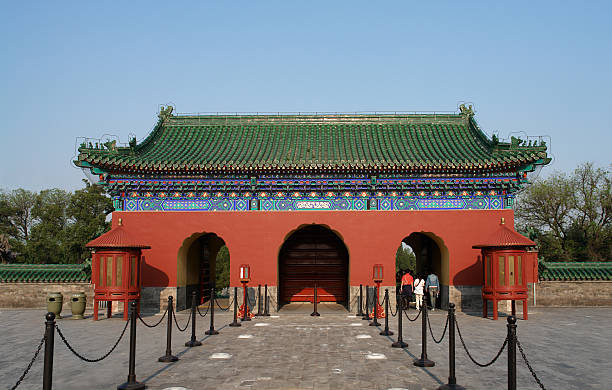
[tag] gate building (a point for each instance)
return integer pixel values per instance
(312, 198)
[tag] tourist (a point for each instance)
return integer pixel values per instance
(432, 286)
(407, 281)
(419, 284)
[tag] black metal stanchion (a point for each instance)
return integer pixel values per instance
(266, 303)
(400, 340)
(259, 312)
(168, 357)
(131, 383)
(386, 332)
(315, 313)
(452, 381)
(375, 322)
(423, 361)
(366, 315)
(360, 311)
(211, 331)
(511, 353)
(235, 322)
(193, 342)
(49, 346)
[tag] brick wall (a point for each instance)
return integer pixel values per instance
(34, 295)
(581, 293)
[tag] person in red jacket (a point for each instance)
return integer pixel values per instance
(407, 282)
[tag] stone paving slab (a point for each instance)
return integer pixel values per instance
(568, 347)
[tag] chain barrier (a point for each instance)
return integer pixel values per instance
(21, 378)
(207, 309)
(177, 325)
(228, 306)
(353, 301)
(273, 300)
(391, 309)
(443, 332)
(251, 303)
(470, 356)
(158, 322)
(520, 347)
(415, 318)
(84, 358)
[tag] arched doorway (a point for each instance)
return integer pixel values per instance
(424, 253)
(313, 254)
(197, 266)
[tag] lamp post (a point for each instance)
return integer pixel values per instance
(245, 277)
(377, 277)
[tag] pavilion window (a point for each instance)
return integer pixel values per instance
(511, 275)
(109, 271)
(118, 269)
(101, 273)
(133, 271)
(502, 271)
(488, 270)
(520, 270)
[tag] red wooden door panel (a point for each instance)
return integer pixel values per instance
(313, 255)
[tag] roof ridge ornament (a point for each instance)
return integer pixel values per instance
(467, 111)
(165, 112)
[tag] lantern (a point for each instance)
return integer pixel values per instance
(245, 273)
(377, 276)
(245, 276)
(377, 273)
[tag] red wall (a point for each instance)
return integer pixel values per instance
(255, 237)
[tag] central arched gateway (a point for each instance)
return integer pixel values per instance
(313, 254)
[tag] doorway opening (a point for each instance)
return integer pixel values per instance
(423, 254)
(203, 263)
(313, 255)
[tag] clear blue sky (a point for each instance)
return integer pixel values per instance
(91, 68)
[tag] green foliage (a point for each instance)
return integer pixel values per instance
(53, 226)
(46, 243)
(404, 259)
(222, 268)
(87, 209)
(570, 216)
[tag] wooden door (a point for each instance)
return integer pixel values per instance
(313, 255)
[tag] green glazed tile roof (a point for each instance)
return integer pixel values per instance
(417, 143)
(575, 271)
(45, 273)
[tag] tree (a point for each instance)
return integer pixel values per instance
(48, 235)
(222, 268)
(404, 258)
(87, 210)
(6, 254)
(570, 216)
(593, 203)
(545, 207)
(16, 213)
(16, 219)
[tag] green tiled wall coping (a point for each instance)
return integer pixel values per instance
(45, 273)
(574, 271)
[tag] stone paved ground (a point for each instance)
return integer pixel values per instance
(568, 347)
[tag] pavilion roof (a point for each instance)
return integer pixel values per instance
(117, 237)
(504, 236)
(315, 143)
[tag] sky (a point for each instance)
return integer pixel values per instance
(86, 69)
